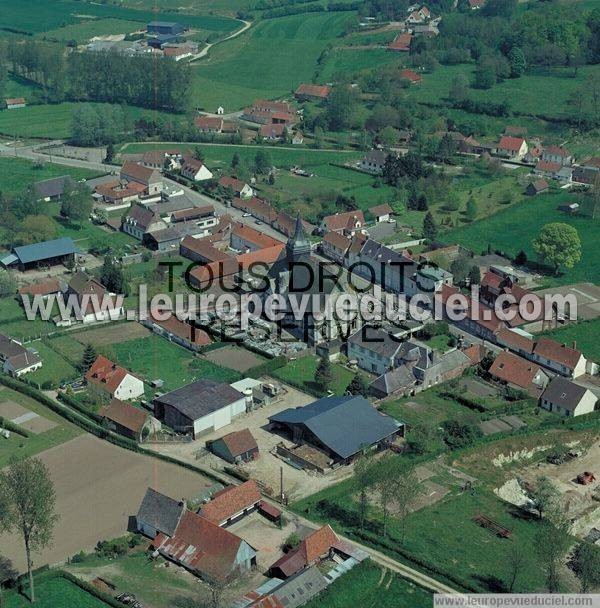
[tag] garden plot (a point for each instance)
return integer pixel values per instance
(25, 418)
(234, 357)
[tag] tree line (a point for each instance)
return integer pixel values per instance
(148, 81)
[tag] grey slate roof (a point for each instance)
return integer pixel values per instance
(160, 511)
(394, 380)
(376, 341)
(200, 398)
(53, 187)
(300, 588)
(343, 424)
(565, 393)
(45, 250)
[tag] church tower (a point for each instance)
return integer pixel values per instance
(298, 246)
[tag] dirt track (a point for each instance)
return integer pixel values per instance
(99, 486)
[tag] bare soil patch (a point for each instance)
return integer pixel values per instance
(234, 357)
(25, 418)
(111, 334)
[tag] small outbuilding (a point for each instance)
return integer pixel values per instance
(236, 447)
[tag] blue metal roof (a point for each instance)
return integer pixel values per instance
(45, 250)
(344, 424)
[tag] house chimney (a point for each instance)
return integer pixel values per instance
(574, 344)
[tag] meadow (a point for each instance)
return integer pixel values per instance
(540, 92)
(82, 32)
(515, 228)
(350, 60)
(55, 368)
(268, 61)
(35, 16)
(370, 585)
(16, 174)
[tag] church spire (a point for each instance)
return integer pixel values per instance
(298, 245)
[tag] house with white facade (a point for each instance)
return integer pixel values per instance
(195, 170)
(113, 379)
(567, 398)
(15, 359)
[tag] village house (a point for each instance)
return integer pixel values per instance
(558, 154)
(195, 169)
(202, 251)
(560, 358)
(46, 254)
(53, 189)
(373, 161)
(537, 187)
(119, 192)
(428, 30)
(232, 504)
(235, 447)
(202, 217)
(267, 112)
(17, 360)
(411, 76)
(337, 428)
(401, 43)
(189, 540)
(162, 159)
(419, 15)
(245, 239)
(179, 51)
(140, 221)
(95, 303)
(346, 223)
(335, 245)
(382, 213)
(476, 4)
(150, 178)
(298, 138)
(273, 132)
(286, 224)
(257, 207)
(175, 330)
(518, 373)
(125, 419)
(567, 398)
(215, 124)
(312, 92)
(114, 380)
(237, 186)
(200, 407)
(547, 169)
(42, 289)
(15, 103)
(513, 148)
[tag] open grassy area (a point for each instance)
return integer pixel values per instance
(370, 585)
(349, 60)
(541, 91)
(585, 334)
(515, 228)
(268, 61)
(24, 447)
(82, 32)
(15, 324)
(154, 357)
(35, 16)
(55, 368)
(301, 373)
(55, 592)
(16, 174)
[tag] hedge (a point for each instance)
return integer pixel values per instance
(9, 425)
(266, 367)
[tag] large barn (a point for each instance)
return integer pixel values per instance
(47, 253)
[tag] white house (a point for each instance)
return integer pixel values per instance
(200, 407)
(567, 398)
(514, 148)
(195, 170)
(113, 379)
(558, 154)
(559, 358)
(17, 360)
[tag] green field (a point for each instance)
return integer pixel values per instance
(268, 61)
(82, 32)
(52, 121)
(15, 324)
(24, 447)
(370, 585)
(55, 592)
(301, 373)
(349, 60)
(584, 333)
(543, 92)
(35, 16)
(154, 357)
(515, 228)
(54, 370)
(16, 174)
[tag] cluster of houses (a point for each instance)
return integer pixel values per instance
(275, 119)
(419, 22)
(163, 38)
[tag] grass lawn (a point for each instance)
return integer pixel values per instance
(585, 334)
(151, 582)
(55, 592)
(370, 585)
(18, 87)
(52, 121)
(515, 228)
(16, 174)
(24, 447)
(68, 347)
(541, 91)
(82, 32)
(15, 324)
(154, 357)
(54, 370)
(301, 373)
(297, 40)
(349, 60)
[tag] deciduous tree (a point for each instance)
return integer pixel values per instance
(558, 244)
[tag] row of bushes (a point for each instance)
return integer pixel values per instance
(267, 367)
(9, 425)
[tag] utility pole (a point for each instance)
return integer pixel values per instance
(281, 496)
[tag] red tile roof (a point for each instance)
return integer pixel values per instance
(313, 90)
(348, 220)
(511, 143)
(557, 151)
(253, 236)
(138, 172)
(43, 289)
(379, 210)
(272, 131)
(269, 255)
(401, 42)
(475, 352)
(256, 207)
(231, 501)
(240, 442)
(125, 415)
(235, 184)
(514, 340)
(548, 166)
(106, 374)
(183, 330)
(15, 101)
(410, 75)
(513, 369)
(337, 240)
(203, 248)
(554, 351)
